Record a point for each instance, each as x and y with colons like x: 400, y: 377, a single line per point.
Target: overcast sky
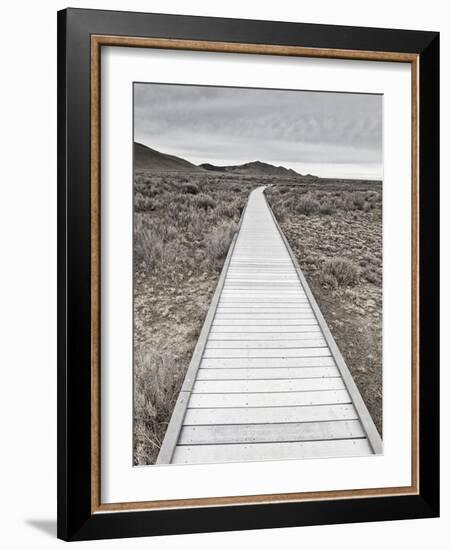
x: 326, y: 134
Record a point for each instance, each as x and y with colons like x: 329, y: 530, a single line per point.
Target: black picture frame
x: 76, y: 521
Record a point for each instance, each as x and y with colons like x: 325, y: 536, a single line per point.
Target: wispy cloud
x: 291, y: 128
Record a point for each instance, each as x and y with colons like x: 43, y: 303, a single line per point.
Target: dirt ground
x: 335, y: 231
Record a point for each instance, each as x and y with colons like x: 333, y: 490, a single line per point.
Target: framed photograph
x: 248, y: 274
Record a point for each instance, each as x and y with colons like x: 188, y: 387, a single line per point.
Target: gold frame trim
x: 97, y: 41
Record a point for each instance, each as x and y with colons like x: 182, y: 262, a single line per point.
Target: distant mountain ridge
x: 153, y: 160
x: 256, y: 167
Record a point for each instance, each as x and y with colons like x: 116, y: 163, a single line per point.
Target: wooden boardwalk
x: 266, y: 380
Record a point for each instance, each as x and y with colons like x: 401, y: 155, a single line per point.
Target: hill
x: 150, y: 159
x: 155, y: 161
x: 257, y: 168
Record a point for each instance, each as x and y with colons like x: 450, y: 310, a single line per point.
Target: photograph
x: 257, y: 274
x: 248, y: 273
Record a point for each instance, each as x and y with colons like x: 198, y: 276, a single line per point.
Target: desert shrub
x: 326, y: 208
x: 190, y: 188
x: 281, y: 214
x: 310, y: 260
x: 202, y: 200
x: 147, y: 188
x: 181, y: 200
x: 227, y: 210
x: 171, y: 232
x: 196, y: 221
x: 307, y: 205
x: 218, y: 241
x: 357, y: 201
x: 140, y: 187
x: 158, y: 378
x: 141, y: 202
x: 370, y: 275
x: 373, y: 197
x: 339, y: 272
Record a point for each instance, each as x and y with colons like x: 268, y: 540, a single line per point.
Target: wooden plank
x: 273, y: 279
x: 285, y: 271
x: 256, y: 274
x: 286, y: 285
x: 283, y: 399
x: 258, y: 296
x: 269, y: 415
x: 264, y: 362
x: 262, y: 433
x: 264, y: 277
x: 259, y: 309
x: 267, y: 353
x: 257, y: 264
x: 246, y: 257
x: 243, y: 306
x: 265, y: 344
x: 265, y: 313
x: 269, y: 292
x: 242, y: 260
x: 263, y: 336
x: 267, y: 386
x: 262, y: 374
x: 258, y: 305
x: 275, y: 309
x: 261, y: 295
x: 274, y: 286
x: 258, y: 261
x: 262, y: 271
x: 198, y: 454
x: 262, y: 302
x: 264, y: 329
x: 260, y: 316
x: 264, y: 322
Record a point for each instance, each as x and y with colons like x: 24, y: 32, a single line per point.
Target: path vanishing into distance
x: 266, y: 380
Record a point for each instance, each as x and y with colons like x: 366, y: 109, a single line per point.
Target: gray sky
x: 326, y: 134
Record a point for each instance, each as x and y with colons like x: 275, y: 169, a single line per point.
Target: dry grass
x: 337, y: 272
x: 306, y: 204
x: 154, y: 401
x: 183, y: 227
x: 218, y: 241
